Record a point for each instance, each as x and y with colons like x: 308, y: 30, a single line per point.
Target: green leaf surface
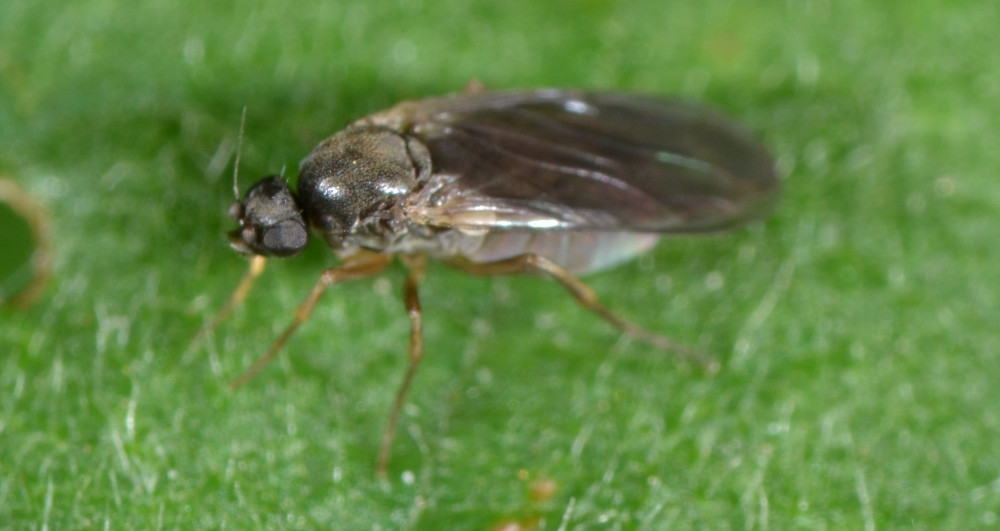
x: 855, y: 328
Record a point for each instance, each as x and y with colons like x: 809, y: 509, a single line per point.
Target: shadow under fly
x: 545, y: 182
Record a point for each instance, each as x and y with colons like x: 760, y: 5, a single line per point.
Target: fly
x: 548, y: 182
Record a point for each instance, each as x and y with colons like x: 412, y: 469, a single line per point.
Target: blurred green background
x: 856, y: 327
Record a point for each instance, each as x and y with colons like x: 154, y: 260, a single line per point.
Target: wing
x: 585, y: 161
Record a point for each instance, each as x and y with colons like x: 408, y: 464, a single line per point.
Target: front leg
x: 362, y: 265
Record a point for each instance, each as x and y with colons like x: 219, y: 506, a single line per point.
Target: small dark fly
x: 549, y: 182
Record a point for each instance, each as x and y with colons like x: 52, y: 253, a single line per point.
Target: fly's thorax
x: 352, y: 186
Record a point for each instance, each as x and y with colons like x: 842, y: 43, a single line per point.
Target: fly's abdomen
x: 579, y: 252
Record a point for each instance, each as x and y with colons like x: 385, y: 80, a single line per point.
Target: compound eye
x: 285, y: 239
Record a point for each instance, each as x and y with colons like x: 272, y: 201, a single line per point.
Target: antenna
x: 239, y: 150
